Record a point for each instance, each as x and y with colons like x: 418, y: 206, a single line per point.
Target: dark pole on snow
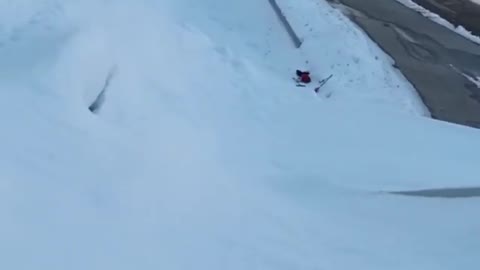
x: 293, y: 36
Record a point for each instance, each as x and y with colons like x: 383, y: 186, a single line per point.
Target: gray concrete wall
x: 293, y: 36
x: 458, y: 12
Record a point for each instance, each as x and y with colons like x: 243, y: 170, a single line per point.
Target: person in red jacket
x: 303, y: 76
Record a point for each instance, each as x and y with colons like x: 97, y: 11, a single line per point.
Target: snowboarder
x: 303, y: 76
x: 303, y: 79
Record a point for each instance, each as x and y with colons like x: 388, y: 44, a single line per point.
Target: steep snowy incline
x: 203, y: 155
x: 363, y: 74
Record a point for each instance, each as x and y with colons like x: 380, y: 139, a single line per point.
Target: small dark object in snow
x: 303, y: 76
x: 322, y: 83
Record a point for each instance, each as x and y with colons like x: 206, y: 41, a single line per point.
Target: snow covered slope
x: 204, y: 155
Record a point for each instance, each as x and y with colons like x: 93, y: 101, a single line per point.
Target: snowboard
x: 322, y: 82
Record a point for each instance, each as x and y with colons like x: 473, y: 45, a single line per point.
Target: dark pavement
x: 430, y: 56
x: 458, y: 12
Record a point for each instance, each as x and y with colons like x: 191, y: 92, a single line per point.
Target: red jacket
x: 305, y: 78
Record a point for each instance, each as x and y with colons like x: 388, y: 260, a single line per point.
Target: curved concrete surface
x: 459, y: 12
x: 434, y: 59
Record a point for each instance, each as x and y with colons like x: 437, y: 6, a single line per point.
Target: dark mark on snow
x: 449, y: 193
x: 100, y: 100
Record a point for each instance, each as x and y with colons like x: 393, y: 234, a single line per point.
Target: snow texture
x: 436, y: 18
x: 206, y: 156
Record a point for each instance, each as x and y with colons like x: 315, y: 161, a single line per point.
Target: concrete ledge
x: 458, y: 12
x: 434, y: 62
x: 293, y: 36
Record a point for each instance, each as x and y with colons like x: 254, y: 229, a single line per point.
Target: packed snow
x: 436, y: 18
x: 204, y: 154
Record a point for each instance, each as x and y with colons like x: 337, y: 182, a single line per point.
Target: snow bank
x: 204, y: 156
x: 436, y: 18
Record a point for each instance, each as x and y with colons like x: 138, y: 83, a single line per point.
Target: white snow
x: 206, y: 156
x: 436, y: 18
x: 475, y: 1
